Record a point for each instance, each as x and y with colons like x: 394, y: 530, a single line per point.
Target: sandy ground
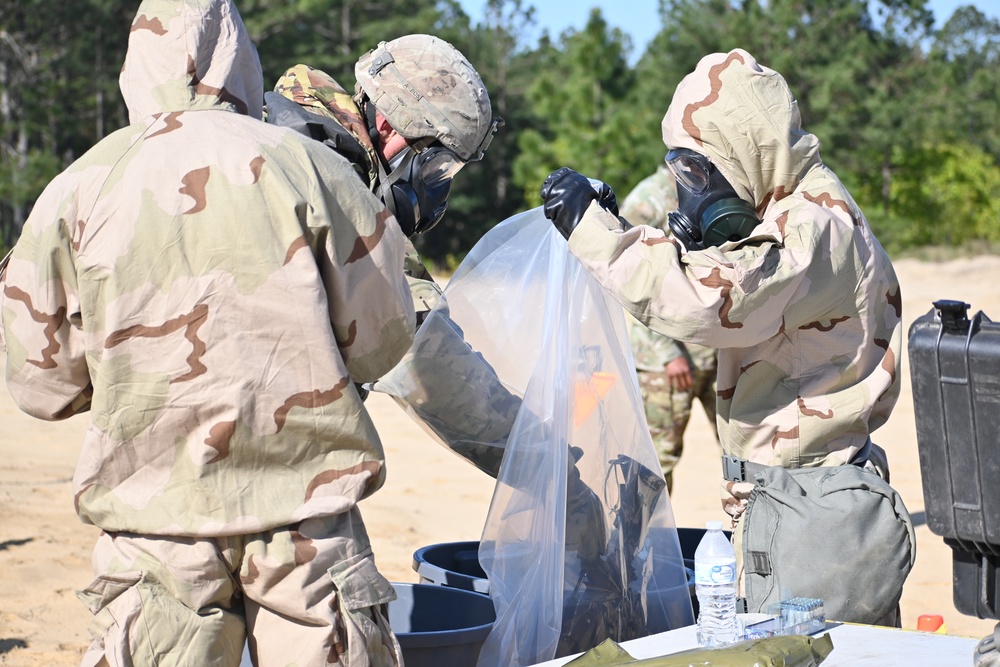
x: 431, y: 496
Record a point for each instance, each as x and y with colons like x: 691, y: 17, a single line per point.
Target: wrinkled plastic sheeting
x: 580, y: 543
x: 786, y: 651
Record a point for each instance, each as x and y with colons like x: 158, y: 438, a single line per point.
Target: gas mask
x: 417, y: 187
x: 709, y: 212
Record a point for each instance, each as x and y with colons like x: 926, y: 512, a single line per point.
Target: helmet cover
x: 425, y: 87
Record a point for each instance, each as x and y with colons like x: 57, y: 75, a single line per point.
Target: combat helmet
x: 426, y: 88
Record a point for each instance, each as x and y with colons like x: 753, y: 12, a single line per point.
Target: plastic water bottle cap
x: 713, y: 525
x: 930, y: 622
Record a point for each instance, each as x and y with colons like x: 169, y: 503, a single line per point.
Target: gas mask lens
x: 438, y: 165
x: 691, y: 170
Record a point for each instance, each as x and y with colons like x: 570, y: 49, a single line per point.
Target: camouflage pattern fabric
x: 403, y: 78
x: 181, y: 601
x: 319, y: 93
x: 460, y: 399
x: 648, y: 204
x: 668, y: 411
x: 423, y: 288
x: 211, y: 287
x: 453, y: 392
x: 651, y: 199
x: 806, y: 312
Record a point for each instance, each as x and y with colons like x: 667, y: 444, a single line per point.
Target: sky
x: 639, y: 19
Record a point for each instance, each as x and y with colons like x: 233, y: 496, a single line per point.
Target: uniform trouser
x: 668, y: 412
x: 307, y: 594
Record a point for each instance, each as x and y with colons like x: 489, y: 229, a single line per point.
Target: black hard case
x: 955, y: 373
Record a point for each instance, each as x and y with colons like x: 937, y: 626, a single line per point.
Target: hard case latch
x: 954, y: 315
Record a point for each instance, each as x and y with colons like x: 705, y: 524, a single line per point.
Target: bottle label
x: 715, y: 572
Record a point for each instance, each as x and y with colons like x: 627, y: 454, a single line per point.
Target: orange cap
x: 930, y: 622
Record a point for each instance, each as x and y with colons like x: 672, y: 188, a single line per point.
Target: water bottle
x: 715, y: 584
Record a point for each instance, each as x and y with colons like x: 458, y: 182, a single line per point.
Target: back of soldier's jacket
x: 209, y: 286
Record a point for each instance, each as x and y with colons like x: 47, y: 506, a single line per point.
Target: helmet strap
x: 369, y: 110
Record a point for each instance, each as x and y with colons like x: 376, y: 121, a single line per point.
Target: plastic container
x: 456, y: 564
x: 453, y: 564
x: 955, y: 374
x: 715, y: 586
x: 438, y: 625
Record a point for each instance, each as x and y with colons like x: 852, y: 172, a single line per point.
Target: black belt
x: 735, y: 469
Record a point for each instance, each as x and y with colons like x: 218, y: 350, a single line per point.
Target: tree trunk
x: 99, y: 94
x: 886, y: 185
x: 345, y: 29
x: 17, y: 203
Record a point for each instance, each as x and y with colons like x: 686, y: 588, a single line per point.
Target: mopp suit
x: 210, y: 288
x: 806, y: 312
x: 461, y: 399
x: 668, y: 409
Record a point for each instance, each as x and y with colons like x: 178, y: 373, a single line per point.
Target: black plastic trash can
x: 453, y: 564
x: 438, y: 625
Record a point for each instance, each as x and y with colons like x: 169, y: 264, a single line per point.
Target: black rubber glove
x: 567, y: 195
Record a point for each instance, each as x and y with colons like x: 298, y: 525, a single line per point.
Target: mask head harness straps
x: 369, y: 110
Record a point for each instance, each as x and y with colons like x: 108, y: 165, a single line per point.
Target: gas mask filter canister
x: 709, y: 212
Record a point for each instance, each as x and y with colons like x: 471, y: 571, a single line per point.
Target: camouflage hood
x: 188, y: 55
x: 212, y: 289
x: 743, y: 117
x: 806, y: 313
x: 318, y: 92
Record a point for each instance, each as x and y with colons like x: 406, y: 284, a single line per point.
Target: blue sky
x: 639, y: 19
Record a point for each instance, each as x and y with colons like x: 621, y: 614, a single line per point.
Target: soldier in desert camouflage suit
x: 805, y: 311
x: 210, y: 288
x: 465, y: 403
x: 671, y: 374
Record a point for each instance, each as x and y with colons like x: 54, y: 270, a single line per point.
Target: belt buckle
x: 733, y: 469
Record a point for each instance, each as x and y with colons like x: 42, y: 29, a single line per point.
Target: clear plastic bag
x: 580, y: 542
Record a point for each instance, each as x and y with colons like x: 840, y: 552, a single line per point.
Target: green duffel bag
x: 838, y: 533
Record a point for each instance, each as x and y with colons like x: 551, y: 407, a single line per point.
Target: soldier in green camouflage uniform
x: 445, y: 384
x: 210, y: 288
x: 671, y: 374
x: 804, y: 306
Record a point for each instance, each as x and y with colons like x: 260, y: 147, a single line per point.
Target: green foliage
x: 951, y: 192
x: 59, y: 65
x: 964, y: 62
x: 23, y: 182
x: 331, y: 34
x: 578, y: 104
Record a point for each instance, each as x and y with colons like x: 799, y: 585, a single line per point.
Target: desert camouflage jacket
x: 648, y: 204
x: 806, y: 312
x: 460, y: 398
x: 317, y: 92
x: 210, y: 287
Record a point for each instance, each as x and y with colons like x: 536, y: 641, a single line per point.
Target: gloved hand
x: 567, y: 195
